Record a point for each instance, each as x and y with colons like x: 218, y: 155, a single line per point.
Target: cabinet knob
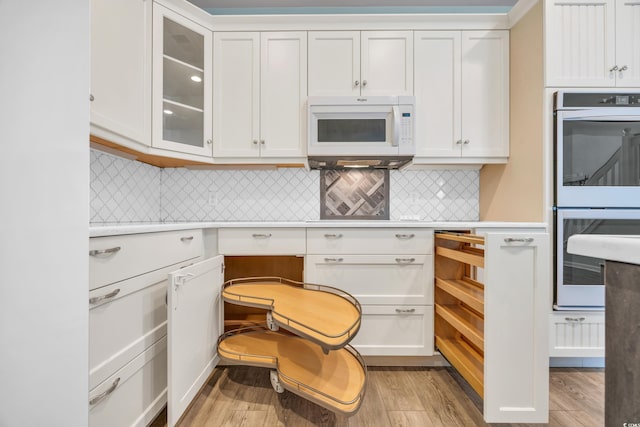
x: 624, y: 68
x: 262, y: 142
x: 356, y: 83
x: 209, y: 141
x: 364, y: 83
x: 465, y: 142
x: 459, y: 142
x: 91, y: 97
x: 255, y: 142
x: 614, y: 68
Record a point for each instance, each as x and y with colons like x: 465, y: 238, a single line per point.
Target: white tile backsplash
x: 127, y: 191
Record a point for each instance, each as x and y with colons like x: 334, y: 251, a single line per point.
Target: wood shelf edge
x: 455, y: 316
x: 466, y: 290
x: 465, y: 360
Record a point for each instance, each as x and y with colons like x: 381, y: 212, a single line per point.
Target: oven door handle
x: 622, y: 114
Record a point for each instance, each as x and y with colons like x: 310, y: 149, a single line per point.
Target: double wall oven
x: 597, y: 185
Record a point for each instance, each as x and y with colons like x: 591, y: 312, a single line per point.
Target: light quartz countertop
x: 615, y: 248
x: 136, y: 228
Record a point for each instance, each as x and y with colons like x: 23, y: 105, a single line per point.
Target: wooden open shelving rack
x: 459, y: 304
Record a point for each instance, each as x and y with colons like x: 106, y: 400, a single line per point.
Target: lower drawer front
x: 400, y: 330
x: 124, y: 326
x: 376, y: 279
x: 576, y: 334
x: 135, y: 394
x: 116, y: 258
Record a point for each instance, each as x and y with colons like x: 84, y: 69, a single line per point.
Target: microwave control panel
x: 406, y: 128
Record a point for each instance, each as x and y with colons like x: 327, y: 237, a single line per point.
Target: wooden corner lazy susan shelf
x: 304, y: 340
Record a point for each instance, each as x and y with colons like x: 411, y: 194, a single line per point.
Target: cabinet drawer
x: 261, y: 241
x: 576, y: 334
x: 396, y: 330
x: 116, y: 258
x: 376, y: 279
x: 135, y: 394
x: 369, y: 241
x: 123, y: 326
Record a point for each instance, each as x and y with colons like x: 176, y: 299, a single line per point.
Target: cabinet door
x: 283, y: 91
x: 387, y: 63
x: 193, y: 325
x: 121, y: 70
x: 236, y: 94
x: 181, y: 83
x: 628, y: 43
x: 517, y: 298
x: 437, y: 62
x: 485, y: 94
x: 334, y: 63
x: 580, y: 42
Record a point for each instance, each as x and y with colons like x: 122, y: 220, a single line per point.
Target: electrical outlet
x: 212, y: 198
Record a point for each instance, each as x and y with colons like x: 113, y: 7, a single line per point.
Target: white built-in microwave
x: 375, y: 126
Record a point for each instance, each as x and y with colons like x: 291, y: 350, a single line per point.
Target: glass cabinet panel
x: 182, y: 71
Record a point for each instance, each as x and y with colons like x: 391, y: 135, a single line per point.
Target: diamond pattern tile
x: 126, y: 191
x: 123, y: 191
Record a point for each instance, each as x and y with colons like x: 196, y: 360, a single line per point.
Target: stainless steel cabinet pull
x: 333, y: 236
x: 574, y: 319
x: 405, y: 236
x: 614, y: 68
x: 405, y: 260
x: 105, y: 393
x: 624, y: 68
x: 333, y: 259
x: 186, y: 239
x: 518, y: 239
x: 261, y: 236
x: 111, y: 294
x: 109, y: 251
x: 406, y: 310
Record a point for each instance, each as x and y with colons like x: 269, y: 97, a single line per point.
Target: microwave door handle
x: 396, y: 126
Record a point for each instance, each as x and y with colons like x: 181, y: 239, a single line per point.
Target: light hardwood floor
x: 242, y: 396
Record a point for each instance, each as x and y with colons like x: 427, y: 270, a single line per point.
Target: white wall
x: 44, y: 199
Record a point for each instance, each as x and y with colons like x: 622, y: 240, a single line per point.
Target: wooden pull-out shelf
x: 459, y: 320
x: 335, y: 381
x: 324, y: 315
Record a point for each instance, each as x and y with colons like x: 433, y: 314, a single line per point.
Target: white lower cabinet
x: 133, y: 320
x: 134, y: 394
x: 390, y: 272
x: 395, y: 330
x: 576, y: 334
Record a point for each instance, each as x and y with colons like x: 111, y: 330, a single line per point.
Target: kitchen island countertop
x: 621, y: 248
x: 135, y: 228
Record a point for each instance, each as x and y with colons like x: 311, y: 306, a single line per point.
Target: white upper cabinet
x: 121, y: 71
x: 260, y: 83
x: 182, y: 56
x: 462, y: 96
x: 592, y: 43
x: 355, y: 63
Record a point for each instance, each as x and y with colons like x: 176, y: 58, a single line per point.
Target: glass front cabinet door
x: 182, y: 55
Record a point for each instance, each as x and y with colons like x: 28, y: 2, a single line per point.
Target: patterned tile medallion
x: 354, y: 194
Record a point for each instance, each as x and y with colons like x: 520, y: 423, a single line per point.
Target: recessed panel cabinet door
x: 334, y: 63
x: 387, y: 63
x: 194, y: 324
x: 516, y: 357
x: 628, y: 43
